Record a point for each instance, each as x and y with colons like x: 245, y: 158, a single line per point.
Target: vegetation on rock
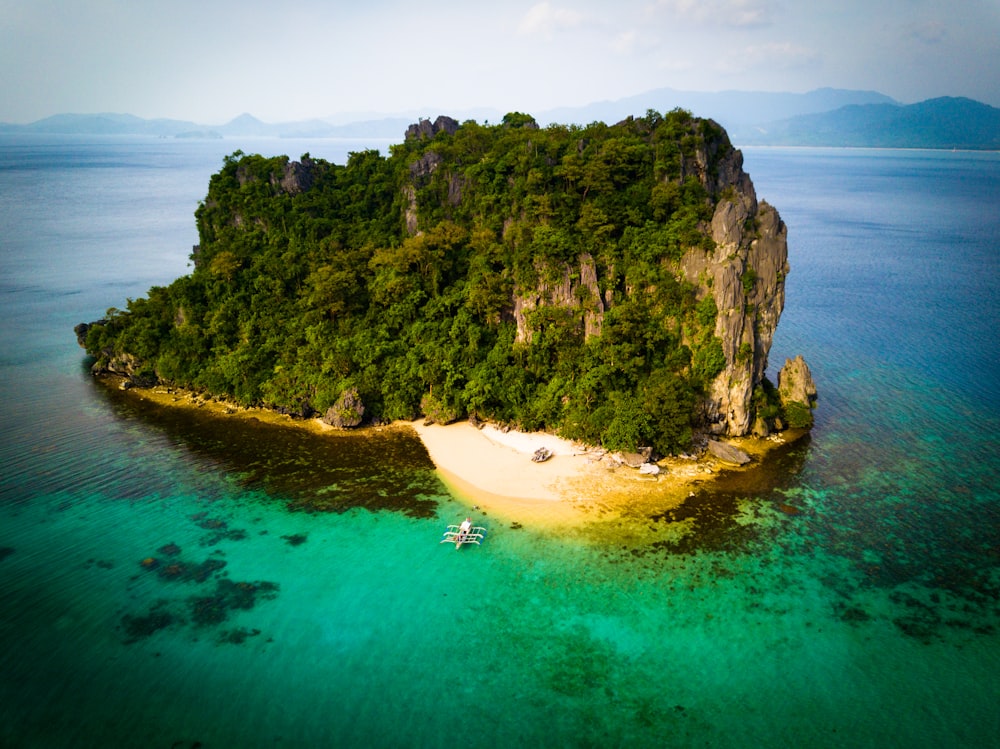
x: 534, y: 277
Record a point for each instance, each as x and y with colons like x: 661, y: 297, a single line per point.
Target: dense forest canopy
x: 522, y: 275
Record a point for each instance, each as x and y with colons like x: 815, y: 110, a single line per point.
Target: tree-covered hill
x: 617, y: 284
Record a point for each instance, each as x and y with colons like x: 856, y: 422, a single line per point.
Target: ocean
x: 168, y: 581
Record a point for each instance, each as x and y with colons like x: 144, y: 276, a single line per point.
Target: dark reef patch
x: 140, y: 627
x: 295, y: 539
x: 229, y: 596
x: 199, y: 610
x: 236, y: 636
x: 5, y: 551
x: 178, y: 570
x: 332, y: 473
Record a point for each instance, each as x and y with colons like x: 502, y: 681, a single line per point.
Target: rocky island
x: 616, y: 285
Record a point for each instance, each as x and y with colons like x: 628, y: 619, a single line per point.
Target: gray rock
x: 728, y: 453
x: 427, y: 129
x: 347, y: 412
x: 633, y: 460
x: 795, y: 382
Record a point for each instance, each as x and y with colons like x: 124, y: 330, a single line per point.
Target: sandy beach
x: 490, y: 469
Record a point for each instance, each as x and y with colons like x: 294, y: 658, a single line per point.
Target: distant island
x: 951, y: 123
x: 823, y: 117
x: 200, y: 135
x: 617, y: 284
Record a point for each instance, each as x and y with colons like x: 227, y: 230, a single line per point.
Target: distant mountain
x: 734, y: 110
x: 824, y: 117
x: 247, y: 124
x: 104, y: 124
x: 946, y: 122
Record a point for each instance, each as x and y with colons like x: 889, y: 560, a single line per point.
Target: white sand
x: 500, y: 462
x: 493, y: 470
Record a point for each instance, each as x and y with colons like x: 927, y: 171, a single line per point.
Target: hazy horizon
x: 209, y: 62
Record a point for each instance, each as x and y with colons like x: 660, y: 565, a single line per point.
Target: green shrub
x: 798, y: 415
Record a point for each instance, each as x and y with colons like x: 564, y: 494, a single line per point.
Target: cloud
x: 771, y: 56
x: 624, y: 42
x: 544, y: 18
x: 740, y: 13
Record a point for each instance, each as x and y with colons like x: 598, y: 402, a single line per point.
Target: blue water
x: 166, y: 581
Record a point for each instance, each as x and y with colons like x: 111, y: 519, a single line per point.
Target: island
x: 613, y: 287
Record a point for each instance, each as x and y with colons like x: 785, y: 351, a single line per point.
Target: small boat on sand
x: 466, y: 533
x: 541, y: 455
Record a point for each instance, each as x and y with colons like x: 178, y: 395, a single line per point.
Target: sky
x: 284, y: 60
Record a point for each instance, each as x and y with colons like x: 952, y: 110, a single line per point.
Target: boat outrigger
x: 466, y: 533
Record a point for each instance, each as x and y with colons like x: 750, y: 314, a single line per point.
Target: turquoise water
x: 167, y: 580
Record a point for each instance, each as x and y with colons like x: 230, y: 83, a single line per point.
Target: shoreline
x: 490, y: 469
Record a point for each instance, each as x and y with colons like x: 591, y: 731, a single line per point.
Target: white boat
x: 466, y: 533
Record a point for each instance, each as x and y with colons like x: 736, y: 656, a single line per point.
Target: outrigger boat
x: 466, y: 533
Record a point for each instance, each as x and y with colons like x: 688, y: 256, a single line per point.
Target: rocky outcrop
x: 746, y: 276
x: 427, y: 129
x: 83, y: 328
x: 297, y: 176
x: 347, y: 412
x: 795, y: 382
x: 577, y: 291
x: 425, y: 166
x: 797, y: 392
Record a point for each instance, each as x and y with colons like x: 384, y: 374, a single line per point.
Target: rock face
x: 347, y: 412
x: 298, y: 176
x: 427, y: 129
x: 746, y: 276
x: 567, y: 293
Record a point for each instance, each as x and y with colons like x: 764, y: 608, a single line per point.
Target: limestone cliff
x: 744, y: 273
x: 746, y: 276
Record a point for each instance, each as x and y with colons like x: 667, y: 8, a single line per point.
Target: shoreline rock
x: 728, y: 453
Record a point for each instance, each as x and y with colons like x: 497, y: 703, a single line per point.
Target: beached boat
x: 541, y: 455
x: 466, y: 533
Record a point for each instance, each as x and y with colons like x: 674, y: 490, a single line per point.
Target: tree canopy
x: 400, y: 276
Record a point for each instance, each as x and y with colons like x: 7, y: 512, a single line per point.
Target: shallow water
x: 169, y: 580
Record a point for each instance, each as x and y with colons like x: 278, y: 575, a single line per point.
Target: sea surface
x: 170, y: 581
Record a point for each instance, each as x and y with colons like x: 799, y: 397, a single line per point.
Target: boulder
x: 633, y: 460
x: 728, y: 453
x: 347, y: 412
